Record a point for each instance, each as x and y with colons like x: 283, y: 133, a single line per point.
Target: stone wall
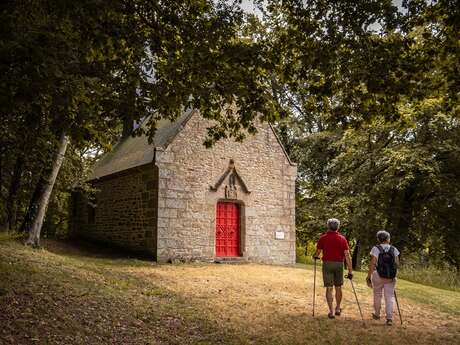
x: 187, y: 205
x: 125, y: 212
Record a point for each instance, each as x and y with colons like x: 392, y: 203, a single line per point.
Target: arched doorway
x: 228, y: 229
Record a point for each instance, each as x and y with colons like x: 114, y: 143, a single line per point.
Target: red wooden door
x: 227, y: 229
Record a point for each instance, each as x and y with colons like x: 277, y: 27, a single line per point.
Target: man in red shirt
x: 335, y: 250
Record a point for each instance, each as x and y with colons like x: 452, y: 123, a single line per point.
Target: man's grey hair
x: 333, y: 224
x: 383, y: 236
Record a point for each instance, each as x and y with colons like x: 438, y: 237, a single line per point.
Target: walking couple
x: 381, y: 275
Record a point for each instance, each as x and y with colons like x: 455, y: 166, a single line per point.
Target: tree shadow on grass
x: 93, y: 250
x: 43, y: 303
x: 178, y: 313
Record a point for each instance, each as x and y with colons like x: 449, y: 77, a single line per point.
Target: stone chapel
x: 175, y: 199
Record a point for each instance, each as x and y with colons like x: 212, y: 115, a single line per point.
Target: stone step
x: 234, y: 260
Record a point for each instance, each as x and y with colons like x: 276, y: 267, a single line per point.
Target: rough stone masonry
x: 161, y: 199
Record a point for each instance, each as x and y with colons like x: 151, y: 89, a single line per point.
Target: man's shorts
x: 332, y: 273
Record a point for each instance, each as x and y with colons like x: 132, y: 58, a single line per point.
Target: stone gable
x: 187, y: 172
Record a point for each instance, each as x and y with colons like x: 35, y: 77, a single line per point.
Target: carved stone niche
x: 232, y: 179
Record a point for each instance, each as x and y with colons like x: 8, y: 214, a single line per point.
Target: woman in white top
x: 382, y: 275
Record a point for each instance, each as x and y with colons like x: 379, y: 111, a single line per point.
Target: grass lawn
x: 73, y: 295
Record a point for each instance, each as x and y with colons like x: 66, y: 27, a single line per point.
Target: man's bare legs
x: 338, y: 298
x: 329, y: 299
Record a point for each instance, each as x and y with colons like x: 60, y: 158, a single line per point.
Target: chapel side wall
x: 125, y: 212
x: 187, y: 206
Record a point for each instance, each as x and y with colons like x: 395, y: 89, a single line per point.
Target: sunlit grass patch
x: 432, y: 276
x: 113, y: 299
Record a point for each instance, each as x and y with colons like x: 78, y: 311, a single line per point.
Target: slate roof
x: 132, y: 152
x: 136, y: 151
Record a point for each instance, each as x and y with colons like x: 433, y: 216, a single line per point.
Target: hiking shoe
x: 389, y: 322
x: 331, y: 316
x: 375, y: 317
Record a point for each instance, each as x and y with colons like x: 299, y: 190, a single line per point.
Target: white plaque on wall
x: 279, y: 235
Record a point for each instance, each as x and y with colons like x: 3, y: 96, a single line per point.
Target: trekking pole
x: 314, y: 287
x: 357, y: 302
x: 399, y: 310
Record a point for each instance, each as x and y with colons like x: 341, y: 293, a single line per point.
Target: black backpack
x: 386, y: 263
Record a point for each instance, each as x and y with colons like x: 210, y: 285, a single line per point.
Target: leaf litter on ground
x: 66, y: 294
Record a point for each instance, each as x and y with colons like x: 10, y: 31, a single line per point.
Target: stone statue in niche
x: 230, y: 189
x: 231, y: 176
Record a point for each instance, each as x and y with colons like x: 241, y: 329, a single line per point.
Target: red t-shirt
x: 333, y: 245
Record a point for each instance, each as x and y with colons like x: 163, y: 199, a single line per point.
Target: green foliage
x: 300, y: 255
x: 372, y: 94
x: 81, y: 67
x: 193, y: 55
x: 305, y: 255
x: 51, y: 84
x: 365, y: 96
x: 441, y: 278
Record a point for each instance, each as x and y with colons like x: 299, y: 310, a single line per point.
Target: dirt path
x: 69, y: 295
x: 268, y: 301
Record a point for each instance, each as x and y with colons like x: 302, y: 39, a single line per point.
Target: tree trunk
x: 356, y: 258
x: 128, y: 126
x: 31, y: 213
x: 3, y: 220
x: 35, y: 229
x: 11, y: 202
x: 1, y: 172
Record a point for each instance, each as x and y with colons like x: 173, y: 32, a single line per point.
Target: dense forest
x: 364, y: 94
